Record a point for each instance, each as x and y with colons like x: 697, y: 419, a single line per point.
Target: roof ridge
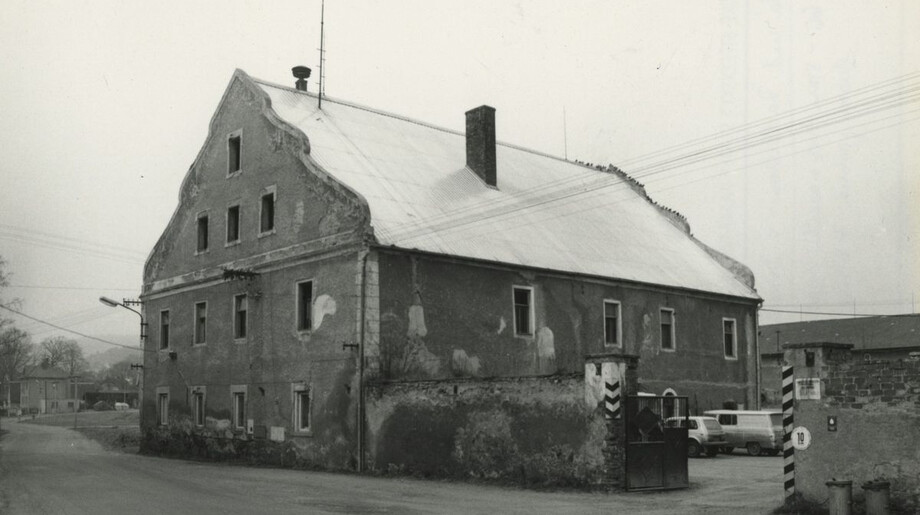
x: 407, y: 119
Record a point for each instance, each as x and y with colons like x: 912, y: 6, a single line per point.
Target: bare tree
x: 16, y: 353
x: 65, y: 353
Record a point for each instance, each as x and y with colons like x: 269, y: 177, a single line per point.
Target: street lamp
x: 127, y: 303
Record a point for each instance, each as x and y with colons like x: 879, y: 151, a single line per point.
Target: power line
x: 72, y: 331
x: 92, y: 288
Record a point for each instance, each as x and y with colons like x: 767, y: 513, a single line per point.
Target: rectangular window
x: 267, y: 213
x: 667, y: 328
x: 523, y: 311
x: 202, y: 232
x: 305, y: 306
x: 301, y: 409
x: 611, y: 322
x: 198, y: 407
x: 729, y: 341
x: 240, y: 309
x: 164, y: 329
x: 162, y: 408
x: 239, y: 410
x: 201, y: 322
x: 233, y: 153
x: 233, y: 224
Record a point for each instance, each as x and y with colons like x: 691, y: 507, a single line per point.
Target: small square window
x: 729, y: 339
x: 201, y: 322
x: 523, y: 310
x: 667, y: 329
x: 305, y: 305
x: 611, y: 322
x: 164, y: 329
x: 233, y: 224
x: 202, y: 232
x: 267, y: 213
x: 240, y: 310
x: 233, y: 153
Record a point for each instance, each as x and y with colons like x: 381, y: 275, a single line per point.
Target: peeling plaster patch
x: 594, y: 386
x: 546, y: 351
x: 501, y: 325
x: 463, y: 365
x: 323, y: 305
x: 417, y: 321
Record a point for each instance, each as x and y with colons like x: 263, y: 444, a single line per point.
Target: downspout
x: 360, y: 410
x: 757, y: 374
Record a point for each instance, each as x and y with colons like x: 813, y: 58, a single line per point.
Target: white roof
x: 545, y: 212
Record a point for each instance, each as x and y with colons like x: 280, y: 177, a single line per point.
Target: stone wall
x: 877, y: 410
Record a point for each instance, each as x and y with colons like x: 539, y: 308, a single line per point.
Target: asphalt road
x: 46, y: 469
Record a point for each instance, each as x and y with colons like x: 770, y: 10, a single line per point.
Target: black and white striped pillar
x: 788, y: 450
x: 612, y: 398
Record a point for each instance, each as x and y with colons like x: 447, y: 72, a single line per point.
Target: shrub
x: 102, y: 406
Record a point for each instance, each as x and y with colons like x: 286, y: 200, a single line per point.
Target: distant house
x: 872, y: 338
x: 43, y: 390
x: 363, y: 290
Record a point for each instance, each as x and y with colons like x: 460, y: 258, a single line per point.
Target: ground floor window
x: 239, y: 410
x: 198, y: 407
x: 162, y: 408
x: 301, y: 409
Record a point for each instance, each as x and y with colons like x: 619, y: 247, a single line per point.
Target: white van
x: 760, y: 432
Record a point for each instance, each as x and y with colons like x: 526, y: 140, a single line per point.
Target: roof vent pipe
x: 480, y: 143
x: 301, y: 73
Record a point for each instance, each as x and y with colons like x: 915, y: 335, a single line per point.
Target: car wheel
x: 753, y: 449
x: 712, y: 451
x: 693, y: 449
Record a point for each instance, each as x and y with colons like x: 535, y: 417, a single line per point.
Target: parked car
x: 760, y: 432
x: 704, y: 434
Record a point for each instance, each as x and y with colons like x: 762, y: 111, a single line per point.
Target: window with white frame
x: 304, y: 305
x: 612, y: 324
x: 198, y: 400
x: 233, y: 224
x: 201, y: 323
x: 164, y: 329
x: 240, y: 315
x: 202, y: 232
x: 523, y: 310
x: 238, y: 401
x: 666, y: 317
x: 267, y: 211
x: 162, y: 405
x: 729, y: 338
x: 302, y: 408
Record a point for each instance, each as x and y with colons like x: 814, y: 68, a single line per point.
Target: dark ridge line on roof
x: 414, y: 121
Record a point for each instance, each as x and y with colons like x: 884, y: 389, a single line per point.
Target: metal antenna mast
x: 322, y: 52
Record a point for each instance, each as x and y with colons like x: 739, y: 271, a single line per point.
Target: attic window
x: 233, y: 153
x: 202, y: 232
x: 267, y: 212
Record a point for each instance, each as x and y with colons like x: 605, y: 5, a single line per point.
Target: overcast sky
x: 104, y: 105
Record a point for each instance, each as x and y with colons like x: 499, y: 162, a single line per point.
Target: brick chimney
x: 480, y: 143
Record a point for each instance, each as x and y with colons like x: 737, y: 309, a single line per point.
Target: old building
x: 891, y: 337
x: 347, y: 288
x: 43, y: 390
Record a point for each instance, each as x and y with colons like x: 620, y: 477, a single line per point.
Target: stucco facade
x: 284, y: 328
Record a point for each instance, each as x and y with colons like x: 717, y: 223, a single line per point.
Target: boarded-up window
x: 239, y: 410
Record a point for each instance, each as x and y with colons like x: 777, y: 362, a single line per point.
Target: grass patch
x: 121, y: 439
x: 126, y: 418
